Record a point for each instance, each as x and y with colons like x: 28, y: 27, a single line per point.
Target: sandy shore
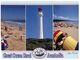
x: 15, y: 36
x: 70, y: 29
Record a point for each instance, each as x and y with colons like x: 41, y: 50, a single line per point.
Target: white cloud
x: 55, y: 16
x: 62, y: 17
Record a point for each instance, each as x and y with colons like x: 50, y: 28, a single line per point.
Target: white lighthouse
x: 40, y: 13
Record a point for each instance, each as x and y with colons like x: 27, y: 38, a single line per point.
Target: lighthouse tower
x: 40, y: 13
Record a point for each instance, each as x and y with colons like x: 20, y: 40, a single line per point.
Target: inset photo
x: 66, y: 27
x: 39, y: 27
x: 13, y: 28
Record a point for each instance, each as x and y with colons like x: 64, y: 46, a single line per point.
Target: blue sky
x: 14, y: 12
x: 66, y: 12
x: 32, y: 21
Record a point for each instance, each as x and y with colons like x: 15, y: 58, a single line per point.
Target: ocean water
x: 16, y: 22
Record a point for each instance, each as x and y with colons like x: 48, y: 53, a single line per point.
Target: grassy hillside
x: 32, y: 43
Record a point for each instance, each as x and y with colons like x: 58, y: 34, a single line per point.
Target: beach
x: 14, y: 34
x: 70, y: 28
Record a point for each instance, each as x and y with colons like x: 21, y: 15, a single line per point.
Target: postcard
x: 40, y: 31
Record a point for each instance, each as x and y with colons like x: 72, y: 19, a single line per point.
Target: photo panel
x: 66, y: 27
x: 39, y: 27
x: 13, y: 28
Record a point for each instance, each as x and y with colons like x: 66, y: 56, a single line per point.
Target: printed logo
x: 39, y: 53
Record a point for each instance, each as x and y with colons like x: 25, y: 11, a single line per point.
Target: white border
x: 39, y: 3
